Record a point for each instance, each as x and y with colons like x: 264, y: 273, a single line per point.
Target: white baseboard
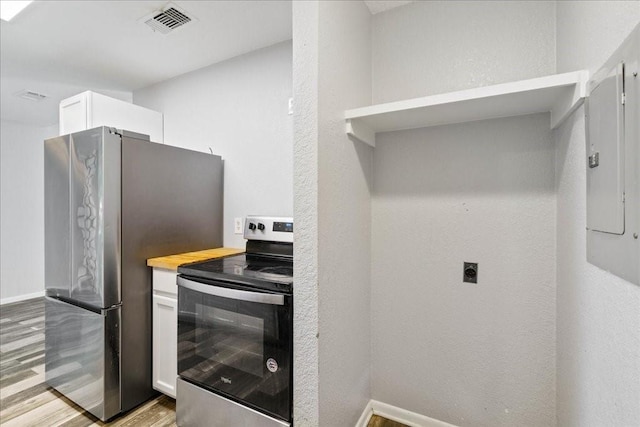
x: 18, y: 298
x: 366, y: 415
x: 400, y: 415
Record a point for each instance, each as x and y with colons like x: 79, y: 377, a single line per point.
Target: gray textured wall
x: 477, y: 355
x: 22, y: 210
x: 332, y: 60
x: 344, y: 214
x: 239, y: 108
x: 598, y: 314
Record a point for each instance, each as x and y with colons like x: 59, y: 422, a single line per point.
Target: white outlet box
x: 238, y: 226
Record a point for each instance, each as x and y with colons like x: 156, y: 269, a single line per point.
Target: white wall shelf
x: 559, y: 94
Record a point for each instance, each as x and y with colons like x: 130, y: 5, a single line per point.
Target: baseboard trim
x: 400, y: 415
x: 19, y: 298
x: 366, y: 415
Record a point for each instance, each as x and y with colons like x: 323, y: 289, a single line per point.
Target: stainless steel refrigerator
x: 112, y: 200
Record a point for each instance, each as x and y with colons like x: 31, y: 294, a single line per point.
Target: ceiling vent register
x: 168, y: 20
x: 31, y: 95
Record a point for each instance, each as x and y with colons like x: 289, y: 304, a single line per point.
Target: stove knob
x: 252, y: 226
x: 260, y: 226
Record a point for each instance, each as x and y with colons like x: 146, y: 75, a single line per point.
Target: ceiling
x: 60, y: 48
x: 382, y: 6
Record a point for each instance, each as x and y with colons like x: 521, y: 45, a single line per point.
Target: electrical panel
x: 612, y: 162
x: 605, y: 151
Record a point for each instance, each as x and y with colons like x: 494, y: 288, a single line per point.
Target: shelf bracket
x: 358, y: 131
x: 566, y: 105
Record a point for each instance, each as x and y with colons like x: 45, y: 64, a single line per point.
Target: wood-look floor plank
x: 26, y: 400
x: 26, y: 351
x: 31, y: 338
x: 7, y: 363
x: 28, y: 405
x: 22, y: 396
x: 148, y: 414
x: 54, y: 411
x: 23, y: 366
x: 81, y: 420
x: 31, y: 356
x: 378, y: 421
x: 14, y: 378
x: 38, y: 321
x: 21, y: 385
x: 17, y: 332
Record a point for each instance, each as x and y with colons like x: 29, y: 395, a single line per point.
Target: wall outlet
x: 470, y: 272
x: 238, y: 226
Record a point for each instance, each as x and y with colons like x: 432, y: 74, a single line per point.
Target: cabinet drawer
x: 165, y: 281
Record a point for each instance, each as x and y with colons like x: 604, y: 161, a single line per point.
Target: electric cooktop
x: 259, y: 271
x: 266, y: 265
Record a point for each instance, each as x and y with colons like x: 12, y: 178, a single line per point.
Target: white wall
x: 22, y: 199
x: 598, y: 314
x: 344, y: 214
x: 469, y: 354
x: 332, y: 57
x: 22, y: 210
x: 441, y: 46
x: 239, y: 109
x: 305, y: 292
x: 42, y: 113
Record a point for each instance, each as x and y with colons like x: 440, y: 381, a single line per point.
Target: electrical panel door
x: 605, y: 154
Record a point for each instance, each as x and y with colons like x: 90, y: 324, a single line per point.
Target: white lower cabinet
x: 165, y: 331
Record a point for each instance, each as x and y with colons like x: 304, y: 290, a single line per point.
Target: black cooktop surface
x: 260, y: 271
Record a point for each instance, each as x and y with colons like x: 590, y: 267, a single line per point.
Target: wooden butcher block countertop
x: 171, y: 262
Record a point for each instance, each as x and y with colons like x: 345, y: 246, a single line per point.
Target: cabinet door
x: 88, y: 110
x: 165, y: 338
x: 106, y: 111
x: 73, y: 114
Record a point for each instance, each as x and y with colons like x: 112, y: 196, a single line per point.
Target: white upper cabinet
x: 89, y: 110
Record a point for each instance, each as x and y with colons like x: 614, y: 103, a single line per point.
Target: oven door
x: 237, y: 343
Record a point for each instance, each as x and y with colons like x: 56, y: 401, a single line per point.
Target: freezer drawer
x: 82, y: 359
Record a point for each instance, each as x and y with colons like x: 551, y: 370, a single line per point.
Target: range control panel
x: 269, y: 228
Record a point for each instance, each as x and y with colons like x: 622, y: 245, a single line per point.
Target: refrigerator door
x: 57, y: 223
x: 171, y: 203
x: 82, y: 217
x: 82, y: 360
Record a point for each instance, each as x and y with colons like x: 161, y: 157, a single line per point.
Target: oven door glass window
x: 240, y: 349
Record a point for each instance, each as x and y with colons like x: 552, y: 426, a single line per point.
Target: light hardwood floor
x: 378, y: 421
x: 25, y: 399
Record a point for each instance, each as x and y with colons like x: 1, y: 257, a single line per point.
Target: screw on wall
x: 470, y: 272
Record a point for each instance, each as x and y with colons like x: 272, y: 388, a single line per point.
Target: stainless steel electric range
x: 235, y: 333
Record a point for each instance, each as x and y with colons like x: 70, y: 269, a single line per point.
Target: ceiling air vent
x: 31, y: 95
x: 167, y: 20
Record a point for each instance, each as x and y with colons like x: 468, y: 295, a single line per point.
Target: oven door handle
x: 235, y: 294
